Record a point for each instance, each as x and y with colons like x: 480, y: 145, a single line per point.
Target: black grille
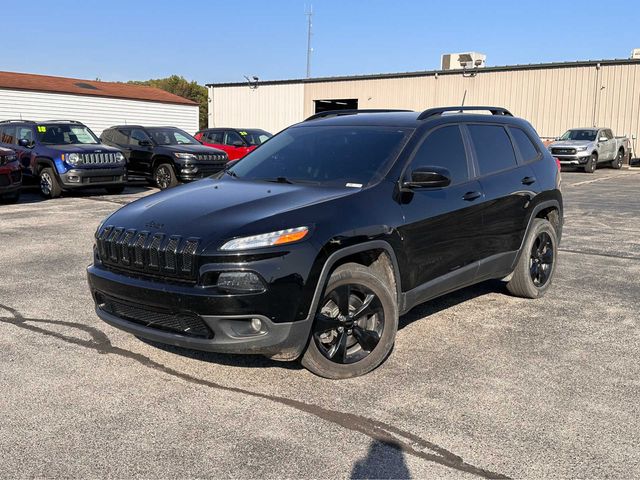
x: 98, y: 158
x: 188, y: 324
x: 563, y: 151
x: 212, y: 157
x: 154, y: 253
x: 16, y: 176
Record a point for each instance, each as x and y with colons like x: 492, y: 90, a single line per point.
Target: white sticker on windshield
x: 354, y: 185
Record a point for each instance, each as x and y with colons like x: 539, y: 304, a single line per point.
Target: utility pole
x: 309, y: 14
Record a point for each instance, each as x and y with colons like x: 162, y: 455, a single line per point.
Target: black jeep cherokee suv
x: 164, y: 155
x: 63, y: 155
x: 316, y: 242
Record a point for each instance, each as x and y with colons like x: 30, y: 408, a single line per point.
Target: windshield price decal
x: 42, y: 129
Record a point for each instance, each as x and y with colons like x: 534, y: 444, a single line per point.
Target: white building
x: 96, y: 104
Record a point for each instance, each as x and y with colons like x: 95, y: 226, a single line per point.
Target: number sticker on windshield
x: 42, y: 128
x: 243, y: 133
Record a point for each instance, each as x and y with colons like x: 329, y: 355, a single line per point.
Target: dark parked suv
x: 63, y: 155
x: 317, y: 241
x: 164, y: 155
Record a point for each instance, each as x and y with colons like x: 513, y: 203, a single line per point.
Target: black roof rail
x: 432, y: 112
x: 336, y: 113
x: 17, y: 121
x: 63, y: 121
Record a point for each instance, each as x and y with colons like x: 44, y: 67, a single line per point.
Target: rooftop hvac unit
x: 635, y: 54
x: 461, y: 61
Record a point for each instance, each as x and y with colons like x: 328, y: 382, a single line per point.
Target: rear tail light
x: 557, y: 163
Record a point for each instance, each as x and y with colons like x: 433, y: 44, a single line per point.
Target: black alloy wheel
x: 350, y: 324
x: 164, y: 176
x: 541, y: 259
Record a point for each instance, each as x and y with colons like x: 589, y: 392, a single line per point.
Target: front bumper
x: 199, y: 171
x: 572, y: 159
x: 149, y: 307
x: 93, y: 177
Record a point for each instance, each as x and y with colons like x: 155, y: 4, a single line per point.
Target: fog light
x: 256, y: 324
x: 73, y: 178
x: 240, y: 282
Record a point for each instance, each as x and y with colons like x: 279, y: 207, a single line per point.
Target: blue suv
x: 63, y: 155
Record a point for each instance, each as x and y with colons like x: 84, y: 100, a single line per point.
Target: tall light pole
x: 309, y: 14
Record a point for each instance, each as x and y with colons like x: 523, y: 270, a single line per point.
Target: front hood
x: 570, y: 143
x: 190, y: 149
x: 83, y: 148
x: 218, y: 209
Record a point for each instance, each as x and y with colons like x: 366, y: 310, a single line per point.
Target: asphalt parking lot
x: 479, y: 384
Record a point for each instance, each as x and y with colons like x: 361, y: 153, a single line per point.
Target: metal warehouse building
x: 552, y: 96
x: 96, y: 104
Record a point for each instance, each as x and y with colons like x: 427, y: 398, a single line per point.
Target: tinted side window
x: 527, y: 149
x: 493, y: 148
x: 444, y: 147
x: 121, y: 137
x: 231, y: 137
x: 8, y: 134
x: 107, y: 135
x: 137, y: 135
x: 215, y: 137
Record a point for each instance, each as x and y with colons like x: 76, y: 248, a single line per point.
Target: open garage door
x: 341, y: 104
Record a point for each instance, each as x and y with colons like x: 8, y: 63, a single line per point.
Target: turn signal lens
x: 281, y: 237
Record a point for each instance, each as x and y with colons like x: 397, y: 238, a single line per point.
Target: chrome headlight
x: 185, y: 156
x: 120, y: 157
x: 73, y: 158
x: 582, y: 148
x: 281, y: 237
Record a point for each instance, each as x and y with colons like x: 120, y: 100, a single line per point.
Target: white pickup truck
x: 589, y: 147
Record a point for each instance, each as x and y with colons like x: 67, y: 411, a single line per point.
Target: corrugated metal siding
x: 271, y: 107
x: 96, y: 112
x: 553, y: 99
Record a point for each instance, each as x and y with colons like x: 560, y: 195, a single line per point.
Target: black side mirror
x: 23, y: 142
x: 238, y: 143
x: 429, y: 177
x: 145, y: 143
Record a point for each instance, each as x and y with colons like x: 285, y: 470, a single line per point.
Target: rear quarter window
x: 528, y: 151
x: 493, y: 148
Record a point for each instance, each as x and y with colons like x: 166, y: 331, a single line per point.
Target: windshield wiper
x: 278, y: 180
x: 231, y: 173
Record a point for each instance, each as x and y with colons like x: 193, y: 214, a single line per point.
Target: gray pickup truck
x: 589, y: 147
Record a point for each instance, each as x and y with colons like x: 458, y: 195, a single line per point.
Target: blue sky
x: 220, y: 41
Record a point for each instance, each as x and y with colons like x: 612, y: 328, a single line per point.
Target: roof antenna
x: 20, y: 115
x: 464, y: 97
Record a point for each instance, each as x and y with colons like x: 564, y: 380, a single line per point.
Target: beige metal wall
x: 271, y: 107
x: 552, y: 99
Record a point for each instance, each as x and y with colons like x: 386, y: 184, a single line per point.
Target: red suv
x: 236, y: 142
x: 10, y: 175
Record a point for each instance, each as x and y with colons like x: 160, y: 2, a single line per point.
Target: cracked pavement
x: 480, y: 384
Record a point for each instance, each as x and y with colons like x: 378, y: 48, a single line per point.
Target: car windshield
x: 351, y: 156
x: 171, y: 136
x: 588, y: 135
x: 255, y: 137
x: 65, y: 134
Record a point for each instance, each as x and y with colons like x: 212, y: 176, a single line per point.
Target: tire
x: 617, y: 162
x: 365, y: 340
x: 164, y: 176
x: 115, y: 190
x: 592, y: 163
x: 49, y: 184
x: 524, y: 283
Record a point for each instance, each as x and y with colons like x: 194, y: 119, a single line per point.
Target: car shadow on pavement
x: 450, y: 300
x: 384, y: 460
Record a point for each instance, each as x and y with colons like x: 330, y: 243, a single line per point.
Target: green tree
x: 179, y: 85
